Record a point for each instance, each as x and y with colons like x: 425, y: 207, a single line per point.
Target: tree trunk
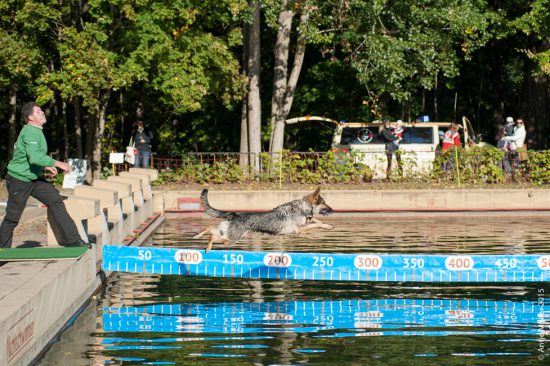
x: 78, y: 127
x: 280, y: 69
x: 89, y: 126
x: 12, y: 125
x: 244, y: 160
x: 98, y: 133
x: 66, y: 153
x: 122, y: 120
x: 289, y: 88
x: 536, y: 120
x: 535, y: 100
x: 254, y: 100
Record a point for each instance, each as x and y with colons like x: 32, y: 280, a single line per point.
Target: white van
x: 418, y: 147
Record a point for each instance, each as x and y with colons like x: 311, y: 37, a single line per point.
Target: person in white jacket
x: 518, y: 138
x: 519, y: 155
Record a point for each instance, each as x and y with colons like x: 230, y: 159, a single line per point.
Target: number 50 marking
x: 145, y: 255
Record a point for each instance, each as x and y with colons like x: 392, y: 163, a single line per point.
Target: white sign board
x: 77, y: 175
x: 116, y: 158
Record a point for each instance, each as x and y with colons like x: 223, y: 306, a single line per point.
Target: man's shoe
x: 78, y: 243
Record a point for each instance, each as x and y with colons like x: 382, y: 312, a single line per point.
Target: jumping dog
x: 291, y: 217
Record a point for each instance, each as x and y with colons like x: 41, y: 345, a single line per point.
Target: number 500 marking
x: 544, y: 262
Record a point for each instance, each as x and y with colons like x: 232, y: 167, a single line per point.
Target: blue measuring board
x: 329, y: 267
x: 381, y: 316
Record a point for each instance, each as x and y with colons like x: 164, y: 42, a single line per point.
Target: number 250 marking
x: 323, y: 261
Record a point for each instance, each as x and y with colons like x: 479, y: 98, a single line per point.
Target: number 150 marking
x: 413, y: 262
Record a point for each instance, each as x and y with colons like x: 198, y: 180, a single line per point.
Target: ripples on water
x: 150, y: 319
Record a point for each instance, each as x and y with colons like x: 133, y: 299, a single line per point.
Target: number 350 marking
x: 413, y: 262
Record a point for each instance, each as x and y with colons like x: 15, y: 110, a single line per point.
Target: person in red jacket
x: 451, y: 137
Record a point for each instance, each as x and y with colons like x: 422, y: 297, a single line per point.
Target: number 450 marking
x: 506, y: 263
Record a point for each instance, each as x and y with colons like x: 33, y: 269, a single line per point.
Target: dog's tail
x: 210, y: 210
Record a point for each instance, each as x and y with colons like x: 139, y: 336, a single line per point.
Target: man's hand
x: 63, y: 166
x: 52, y: 170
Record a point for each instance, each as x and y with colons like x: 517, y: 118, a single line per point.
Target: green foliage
x: 292, y: 168
x: 476, y: 165
x: 539, y: 167
x: 395, y: 47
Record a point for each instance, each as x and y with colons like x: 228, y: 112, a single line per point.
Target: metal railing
x: 221, y: 167
x: 266, y: 160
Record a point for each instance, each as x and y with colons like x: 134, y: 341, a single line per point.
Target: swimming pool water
x: 143, y: 319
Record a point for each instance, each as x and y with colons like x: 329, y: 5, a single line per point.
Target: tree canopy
x: 182, y: 66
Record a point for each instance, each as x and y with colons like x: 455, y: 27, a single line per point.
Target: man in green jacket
x: 24, y: 179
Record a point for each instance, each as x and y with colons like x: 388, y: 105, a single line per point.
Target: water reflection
x: 380, y: 317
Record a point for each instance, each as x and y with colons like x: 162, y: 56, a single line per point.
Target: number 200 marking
x: 277, y: 260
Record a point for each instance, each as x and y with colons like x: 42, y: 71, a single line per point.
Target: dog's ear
x: 317, y: 191
x: 313, y: 197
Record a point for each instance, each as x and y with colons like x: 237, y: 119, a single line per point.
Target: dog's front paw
x: 197, y: 236
x: 329, y: 227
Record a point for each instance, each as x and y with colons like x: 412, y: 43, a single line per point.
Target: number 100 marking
x: 188, y: 256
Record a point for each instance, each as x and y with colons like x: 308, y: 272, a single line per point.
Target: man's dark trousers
x: 19, y: 191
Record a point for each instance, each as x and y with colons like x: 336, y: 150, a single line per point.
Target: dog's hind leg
x: 206, y: 230
x: 315, y: 225
x: 209, y: 245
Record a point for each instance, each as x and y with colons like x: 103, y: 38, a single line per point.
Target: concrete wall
x: 37, y: 298
x: 111, y: 209
x: 371, y: 200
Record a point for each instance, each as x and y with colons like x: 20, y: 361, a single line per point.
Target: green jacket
x: 30, y: 155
